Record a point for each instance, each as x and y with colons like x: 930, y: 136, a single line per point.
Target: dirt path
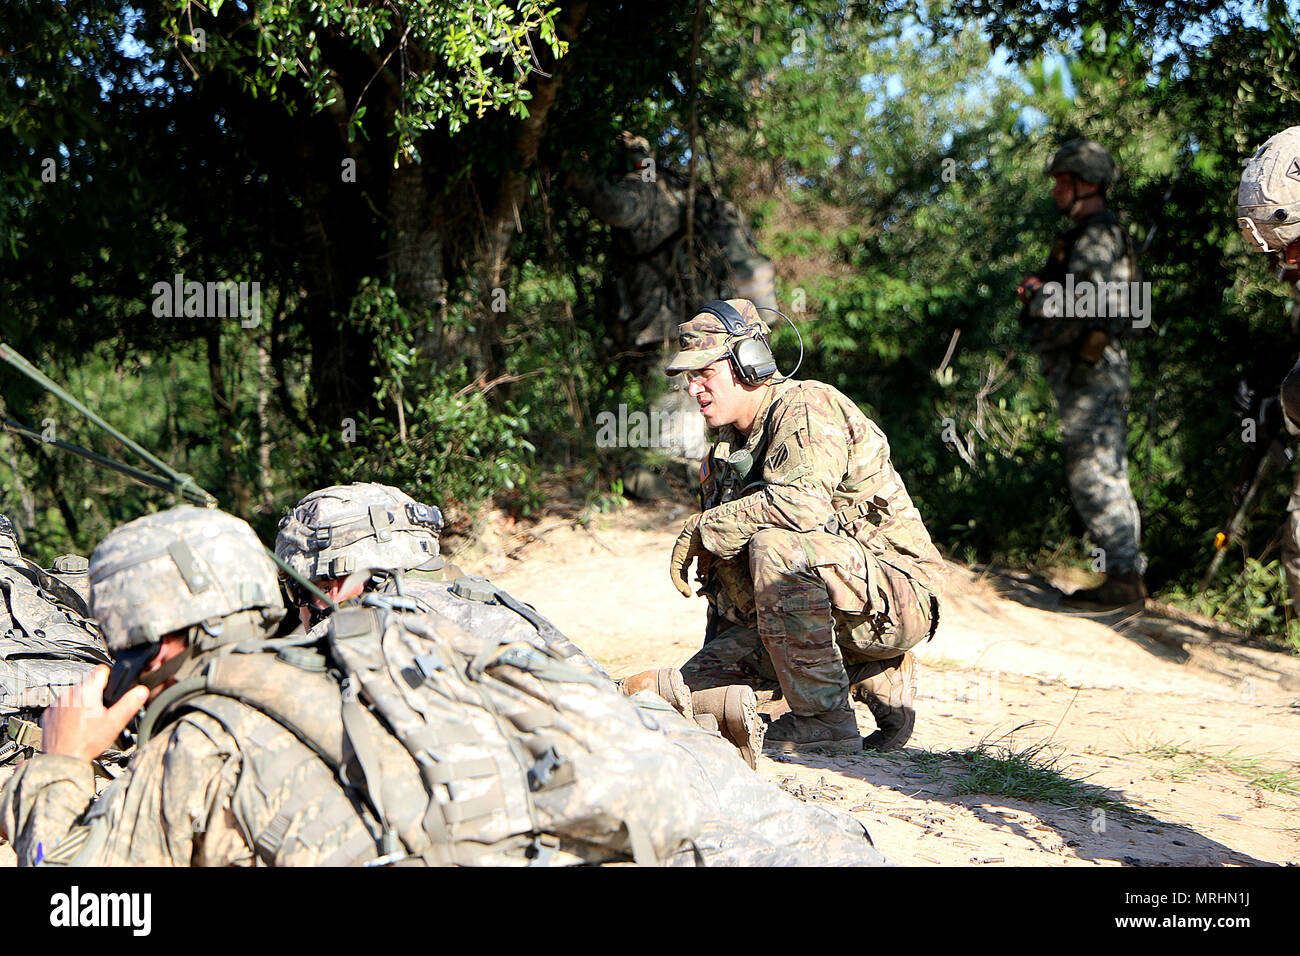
x: 1177, y: 725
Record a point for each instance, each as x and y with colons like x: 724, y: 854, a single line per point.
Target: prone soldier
x: 48, y: 641
x: 365, y: 537
x: 400, y: 737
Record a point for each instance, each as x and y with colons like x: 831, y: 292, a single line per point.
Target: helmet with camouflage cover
x: 1268, y: 200
x: 1084, y: 158
x: 177, y: 569
x: 364, y: 526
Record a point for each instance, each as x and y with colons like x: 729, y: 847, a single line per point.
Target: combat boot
x: 835, y: 732
x: 667, y: 683
x: 888, y: 688
x: 1118, y: 590
x: 735, y: 709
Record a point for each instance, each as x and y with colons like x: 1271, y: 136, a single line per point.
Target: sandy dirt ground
x: 1180, y: 723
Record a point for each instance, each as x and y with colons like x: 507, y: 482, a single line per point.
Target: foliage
x: 888, y: 158
x: 452, y: 61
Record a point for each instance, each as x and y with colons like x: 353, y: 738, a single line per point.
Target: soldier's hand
x: 78, y: 725
x: 689, y: 546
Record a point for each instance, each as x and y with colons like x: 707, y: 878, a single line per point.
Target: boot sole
x: 899, y: 704
x: 735, y: 709
x: 670, y: 685
x: 742, y: 725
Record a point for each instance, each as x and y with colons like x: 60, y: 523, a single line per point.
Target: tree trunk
x: 236, y: 487
x: 504, y: 220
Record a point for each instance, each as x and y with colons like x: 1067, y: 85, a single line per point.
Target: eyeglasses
x: 700, y: 375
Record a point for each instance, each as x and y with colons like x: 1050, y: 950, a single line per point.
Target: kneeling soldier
x: 818, y: 569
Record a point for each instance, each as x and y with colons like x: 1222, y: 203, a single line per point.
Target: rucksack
x: 465, y: 743
x: 47, y: 643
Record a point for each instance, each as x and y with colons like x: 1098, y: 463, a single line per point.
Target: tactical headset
x: 747, y: 346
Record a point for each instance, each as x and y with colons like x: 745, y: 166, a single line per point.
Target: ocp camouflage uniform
x: 1093, y: 398
x: 820, y: 561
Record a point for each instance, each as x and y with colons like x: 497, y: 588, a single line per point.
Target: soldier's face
x: 1062, y: 189
x: 1066, y: 188
x: 337, y: 589
x: 721, y: 398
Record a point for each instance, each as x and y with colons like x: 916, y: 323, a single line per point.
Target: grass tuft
x: 1033, y: 773
x: 1254, y: 770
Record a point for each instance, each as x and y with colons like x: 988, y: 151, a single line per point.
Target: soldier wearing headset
x: 819, y: 572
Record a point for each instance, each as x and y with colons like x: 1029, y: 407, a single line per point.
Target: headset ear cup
x: 752, y: 360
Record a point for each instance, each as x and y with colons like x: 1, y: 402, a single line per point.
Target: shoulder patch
x: 785, y: 459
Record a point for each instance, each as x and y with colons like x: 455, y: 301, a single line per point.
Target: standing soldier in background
x: 1085, y: 363
x: 1268, y: 212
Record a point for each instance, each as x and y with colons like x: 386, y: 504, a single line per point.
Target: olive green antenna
x: 174, y: 481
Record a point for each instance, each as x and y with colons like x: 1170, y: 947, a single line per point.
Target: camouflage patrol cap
x: 1085, y: 158
x: 1268, y: 200
x: 175, y: 569
x: 704, y: 339
x: 363, y: 526
x: 8, y: 539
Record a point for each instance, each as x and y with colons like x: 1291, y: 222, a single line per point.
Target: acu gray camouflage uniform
x: 48, y: 641
x: 1291, y: 534
x: 402, y: 737
x: 1093, y: 398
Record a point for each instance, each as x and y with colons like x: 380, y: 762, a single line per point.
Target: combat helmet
x: 1268, y: 200
x: 1084, y: 158
x: 345, y: 529
x: 183, y: 569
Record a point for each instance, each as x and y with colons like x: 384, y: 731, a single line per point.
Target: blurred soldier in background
x: 650, y: 259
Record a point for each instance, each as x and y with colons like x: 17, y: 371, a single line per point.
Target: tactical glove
x: 689, y: 546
